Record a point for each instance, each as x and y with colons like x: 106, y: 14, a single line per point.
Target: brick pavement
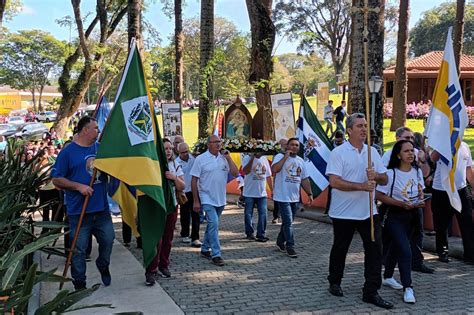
x: 258, y: 278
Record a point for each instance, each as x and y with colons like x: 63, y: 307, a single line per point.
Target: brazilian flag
x: 131, y: 150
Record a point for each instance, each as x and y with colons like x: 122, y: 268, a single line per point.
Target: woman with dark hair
x: 403, y: 195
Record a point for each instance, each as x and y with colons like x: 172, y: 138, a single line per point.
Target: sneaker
x: 126, y: 244
x: 88, y: 258
x: 250, y: 237
x: 335, y: 289
x: 281, y: 248
x: 165, y: 272
x: 196, y: 243
x: 150, y: 278
x: 79, y: 285
x: 105, y: 275
x: 279, y: 220
x: 186, y: 240
x: 274, y: 221
x: 391, y: 282
x: 218, y: 261
x: 443, y: 258
x: 423, y: 269
x: 206, y: 255
x: 262, y: 239
x: 291, y: 253
x: 409, y: 296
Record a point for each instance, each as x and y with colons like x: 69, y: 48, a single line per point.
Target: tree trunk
x: 459, y: 32
x: 134, y: 20
x: 400, y: 83
x: 3, y: 4
x: 261, y: 65
x: 40, y: 105
x: 33, y: 97
x: 179, y: 49
x: 206, y: 55
x: 375, y: 64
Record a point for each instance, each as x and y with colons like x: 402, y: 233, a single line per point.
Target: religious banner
x: 283, y: 115
x: 323, y: 99
x: 172, y: 125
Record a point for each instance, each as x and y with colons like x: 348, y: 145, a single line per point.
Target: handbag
x: 180, y: 195
x: 384, y: 208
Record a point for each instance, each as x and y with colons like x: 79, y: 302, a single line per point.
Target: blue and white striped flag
x: 314, y: 147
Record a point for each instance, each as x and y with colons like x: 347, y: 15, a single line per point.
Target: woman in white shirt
x: 403, y: 194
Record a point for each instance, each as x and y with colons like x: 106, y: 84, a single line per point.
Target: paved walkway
x: 259, y: 279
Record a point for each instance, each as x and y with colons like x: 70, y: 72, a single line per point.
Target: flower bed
x: 242, y: 145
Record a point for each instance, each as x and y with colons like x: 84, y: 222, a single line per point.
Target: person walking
x: 208, y: 184
x: 257, y: 175
x: 351, y: 181
x: 187, y: 215
x: 276, y: 212
x: 340, y: 112
x: 290, y: 175
x: 403, y: 195
x: 328, y: 117
x: 161, y: 261
x: 72, y: 172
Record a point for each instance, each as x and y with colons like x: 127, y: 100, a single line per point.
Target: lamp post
x: 375, y: 83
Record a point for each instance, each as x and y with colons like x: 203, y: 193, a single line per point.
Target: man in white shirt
x: 351, y: 181
x: 290, y: 175
x: 209, y: 172
x: 257, y: 175
x: 328, y: 117
x: 443, y: 211
x: 187, y: 215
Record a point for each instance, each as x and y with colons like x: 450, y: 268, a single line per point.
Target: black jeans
x: 126, y: 232
x: 343, y: 234
x: 443, y: 215
x: 188, y: 216
x: 276, y: 211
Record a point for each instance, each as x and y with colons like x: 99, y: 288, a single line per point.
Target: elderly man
x: 177, y: 140
x: 351, y: 181
x: 209, y: 172
x: 72, y: 172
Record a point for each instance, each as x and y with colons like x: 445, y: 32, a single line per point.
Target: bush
x: 414, y: 110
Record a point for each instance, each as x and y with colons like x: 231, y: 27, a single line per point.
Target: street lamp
x: 375, y: 83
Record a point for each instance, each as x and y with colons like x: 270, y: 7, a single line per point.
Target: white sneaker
x: 409, y: 296
x: 186, y: 240
x: 196, y: 243
x: 390, y: 282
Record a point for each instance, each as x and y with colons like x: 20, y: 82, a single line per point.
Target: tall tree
x: 134, y: 22
x: 179, y: 49
x: 86, y: 59
x: 318, y: 24
x: 8, y: 8
x: 206, y: 68
x: 261, y: 65
x: 375, y: 64
x: 459, y: 32
x: 400, y: 83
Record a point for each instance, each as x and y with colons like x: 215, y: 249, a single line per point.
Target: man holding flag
x: 445, y: 130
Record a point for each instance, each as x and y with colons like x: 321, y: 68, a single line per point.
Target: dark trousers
x: 126, y: 232
x: 163, y: 248
x: 187, y: 216
x: 442, y: 216
x: 276, y: 210
x: 343, y: 234
x: 399, y: 227
x: 49, y: 212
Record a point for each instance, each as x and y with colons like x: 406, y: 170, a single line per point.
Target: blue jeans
x: 287, y: 213
x: 211, y: 236
x: 262, y: 216
x: 100, y: 225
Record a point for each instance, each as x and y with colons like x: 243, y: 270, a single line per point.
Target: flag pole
x: 367, y: 111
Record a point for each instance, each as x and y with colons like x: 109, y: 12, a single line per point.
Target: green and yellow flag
x: 131, y: 150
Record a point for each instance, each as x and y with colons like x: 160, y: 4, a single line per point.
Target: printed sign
x: 283, y: 115
x: 172, y: 125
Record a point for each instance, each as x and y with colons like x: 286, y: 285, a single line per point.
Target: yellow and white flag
x: 447, y: 121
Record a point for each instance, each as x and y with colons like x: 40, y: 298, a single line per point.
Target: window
x: 389, y: 89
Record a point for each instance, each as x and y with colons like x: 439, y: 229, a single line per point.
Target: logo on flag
x: 137, y: 117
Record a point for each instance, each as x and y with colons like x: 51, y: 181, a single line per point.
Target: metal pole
x: 372, y: 113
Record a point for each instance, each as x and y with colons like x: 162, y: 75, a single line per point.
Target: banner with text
x: 283, y: 115
x: 172, y: 125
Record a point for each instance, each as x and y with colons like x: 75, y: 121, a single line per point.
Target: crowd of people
x: 399, y: 181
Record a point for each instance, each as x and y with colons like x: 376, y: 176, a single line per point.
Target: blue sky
x: 41, y: 14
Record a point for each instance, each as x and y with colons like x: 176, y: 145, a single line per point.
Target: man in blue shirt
x: 72, y: 172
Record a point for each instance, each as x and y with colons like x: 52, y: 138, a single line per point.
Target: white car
x: 16, y: 120
x: 46, y: 116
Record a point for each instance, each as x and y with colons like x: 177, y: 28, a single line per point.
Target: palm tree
x: 263, y: 39
x: 179, y: 49
x: 134, y: 21
x: 459, y: 32
x: 400, y: 84
x: 206, y: 55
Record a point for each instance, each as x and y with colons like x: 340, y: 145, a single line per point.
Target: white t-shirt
x: 351, y: 165
x: 288, y: 180
x: 255, y: 181
x: 328, y: 112
x: 464, y: 160
x: 186, y: 166
x: 388, y: 153
x: 212, y: 172
x: 406, y: 187
x: 175, y: 169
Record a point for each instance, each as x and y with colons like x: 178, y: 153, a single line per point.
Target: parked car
x: 16, y: 120
x: 32, y: 131
x: 47, y: 116
x: 250, y: 99
x: 12, y: 130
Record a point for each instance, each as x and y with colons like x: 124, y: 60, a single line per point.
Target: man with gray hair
x: 208, y: 184
x: 351, y: 180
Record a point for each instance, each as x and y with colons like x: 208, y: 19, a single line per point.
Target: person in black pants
x: 443, y: 211
x: 351, y: 181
